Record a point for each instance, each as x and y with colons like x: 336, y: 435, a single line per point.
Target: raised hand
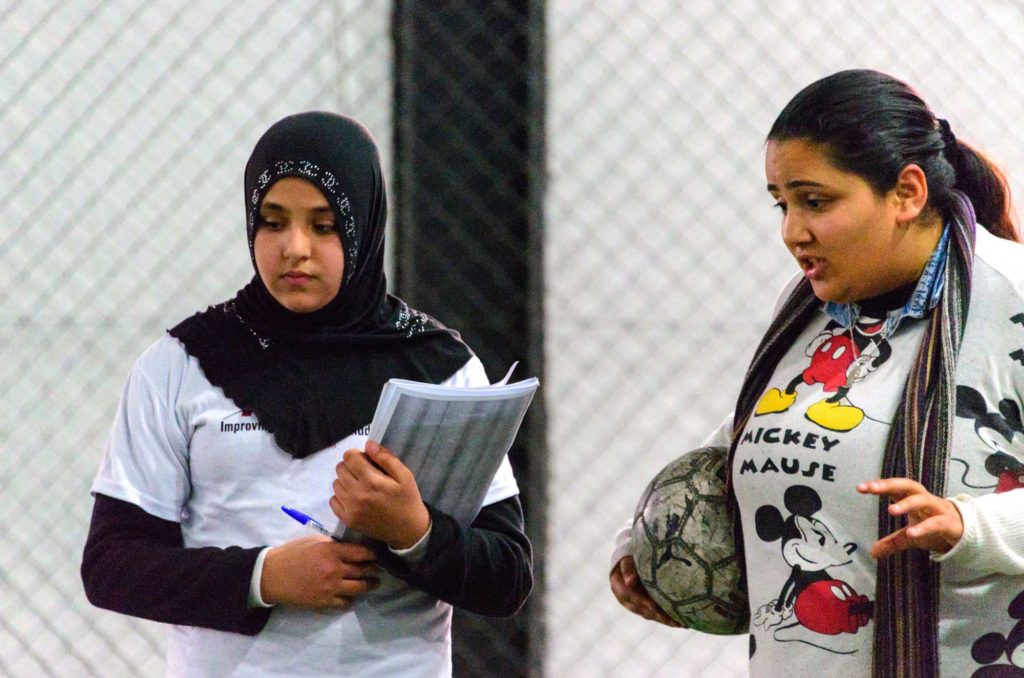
x: 933, y: 523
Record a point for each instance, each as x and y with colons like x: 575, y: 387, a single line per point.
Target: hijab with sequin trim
x: 312, y: 379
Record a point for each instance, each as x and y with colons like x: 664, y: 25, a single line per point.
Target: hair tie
x: 950, y: 149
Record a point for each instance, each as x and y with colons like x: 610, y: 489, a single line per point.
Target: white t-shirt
x: 182, y: 451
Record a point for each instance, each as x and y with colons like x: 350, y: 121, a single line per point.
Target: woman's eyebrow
x: 274, y: 207
x: 797, y: 183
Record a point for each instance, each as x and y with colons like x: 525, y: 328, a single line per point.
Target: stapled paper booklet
x: 453, y: 439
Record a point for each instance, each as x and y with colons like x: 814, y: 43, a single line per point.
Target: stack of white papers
x: 453, y: 439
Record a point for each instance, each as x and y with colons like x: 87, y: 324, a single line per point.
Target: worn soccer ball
x: 682, y: 543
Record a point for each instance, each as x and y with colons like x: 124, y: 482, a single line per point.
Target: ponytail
x: 986, y: 186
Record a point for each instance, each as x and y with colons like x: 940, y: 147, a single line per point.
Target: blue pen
x: 311, y: 523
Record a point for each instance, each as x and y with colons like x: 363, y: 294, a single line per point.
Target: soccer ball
x: 682, y: 543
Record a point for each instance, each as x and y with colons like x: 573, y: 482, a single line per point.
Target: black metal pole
x: 468, y: 196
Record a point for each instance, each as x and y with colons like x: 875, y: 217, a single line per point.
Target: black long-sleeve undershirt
x: 485, y: 568
x: 136, y: 564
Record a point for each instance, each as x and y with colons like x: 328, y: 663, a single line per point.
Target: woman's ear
x: 911, y: 194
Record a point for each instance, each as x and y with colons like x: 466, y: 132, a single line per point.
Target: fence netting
x: 662, y: 254
x: 124, y: 129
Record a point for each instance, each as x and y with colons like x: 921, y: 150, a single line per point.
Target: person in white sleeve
x: 265, y: 400
x: 876, y: 452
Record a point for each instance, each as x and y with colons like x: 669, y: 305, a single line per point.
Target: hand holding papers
x: 453, y: 439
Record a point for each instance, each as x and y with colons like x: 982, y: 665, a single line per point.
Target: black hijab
x: 314, y: 378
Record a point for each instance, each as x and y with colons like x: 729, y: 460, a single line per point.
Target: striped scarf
x: 907, y: 587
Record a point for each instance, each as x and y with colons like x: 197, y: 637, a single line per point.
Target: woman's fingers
x: 933, y: 523
x: 923, y: 504
x: 894, y: 488
x: 938, y: 533
x: 890, y: 544
x: 629, y: 591
x: 628, y: 567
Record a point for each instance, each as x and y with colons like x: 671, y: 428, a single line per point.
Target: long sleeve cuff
x: 993, y: 538
x: 255, y: 584
x: 415, y: 553
x: 484, y: 568
x: 621, y: 549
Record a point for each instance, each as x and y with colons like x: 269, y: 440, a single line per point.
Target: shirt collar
x: 923, y: 299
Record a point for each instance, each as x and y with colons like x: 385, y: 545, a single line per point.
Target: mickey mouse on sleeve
x: 993, y: 647
x: 1001, y: 430
x: 828, y: 610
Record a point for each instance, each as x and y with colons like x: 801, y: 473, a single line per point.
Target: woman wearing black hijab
x: 248, y: 405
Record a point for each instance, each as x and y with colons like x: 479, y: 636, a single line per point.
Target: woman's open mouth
x: 812, y: 267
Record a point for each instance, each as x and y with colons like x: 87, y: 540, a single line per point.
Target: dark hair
x: 873, y: 125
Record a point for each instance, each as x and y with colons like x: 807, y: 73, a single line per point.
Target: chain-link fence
x: 662, y: 255
x: 124, y: 128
